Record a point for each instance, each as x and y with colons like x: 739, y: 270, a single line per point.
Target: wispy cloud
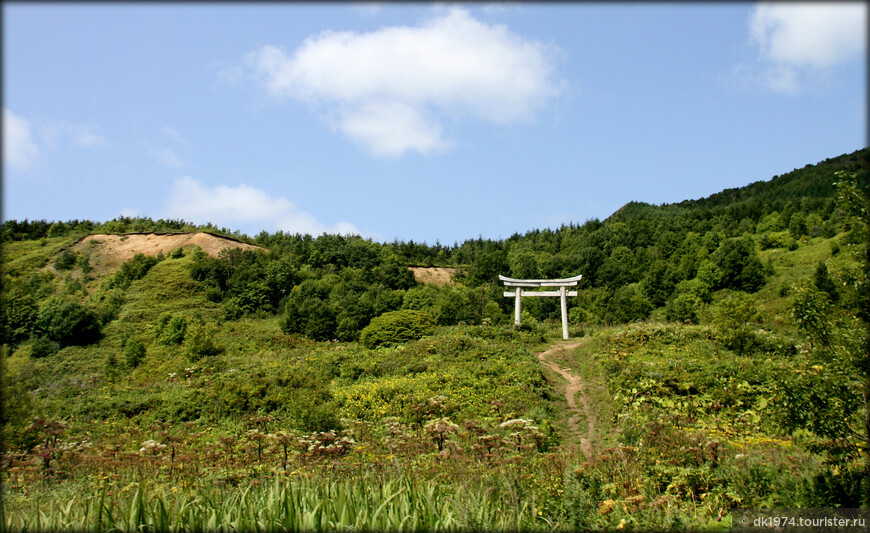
x: 19, y: 149
x: 166, y: 156
x: 169, y: 157
x: 368, y: 8
x: 390, y: 90
x: 86, y: 137
x: 27, y: 142
x: 227, y: 206
x: 801, y: 42
x: 173, y: 134
x: 82, y: 136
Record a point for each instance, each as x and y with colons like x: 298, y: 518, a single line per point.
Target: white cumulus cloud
x: 390, y: 89
x: 243, y: 204
x: 19, y: 149
x: 799, y: 40
x: 388, y: 129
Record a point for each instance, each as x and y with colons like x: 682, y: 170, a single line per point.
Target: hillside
x: 812, y: 182
x: 718, y: 361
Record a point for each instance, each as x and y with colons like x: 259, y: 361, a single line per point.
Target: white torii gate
x: 518, y: 293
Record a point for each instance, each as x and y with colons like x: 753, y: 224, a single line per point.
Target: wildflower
x: 151, y: 446
x: 516, y: 422
x: 606, y: 506
x: 439, y: 429
x: 437, y: 401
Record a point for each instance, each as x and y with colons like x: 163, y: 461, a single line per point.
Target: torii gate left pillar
x: 562, y: 293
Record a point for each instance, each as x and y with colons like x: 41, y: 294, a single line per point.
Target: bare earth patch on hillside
x: 108, y: 252
x: 434, y: 275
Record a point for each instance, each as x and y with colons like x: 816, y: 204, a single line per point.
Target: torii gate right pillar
x: 564, y: 300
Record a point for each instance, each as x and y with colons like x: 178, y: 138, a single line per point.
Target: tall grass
x: 295, y: 504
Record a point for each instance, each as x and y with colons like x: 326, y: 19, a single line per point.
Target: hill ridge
x: 811, y: 181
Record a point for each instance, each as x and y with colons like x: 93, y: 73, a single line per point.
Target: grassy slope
x: 470, y: 370
x: 23, y: 257
x: 486, y: 374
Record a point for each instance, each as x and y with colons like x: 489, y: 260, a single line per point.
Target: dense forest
x: 740, y: 314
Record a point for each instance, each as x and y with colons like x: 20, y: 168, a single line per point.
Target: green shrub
x: 683, y: 308
x: 85, y: 263
x: 231, y: 308
x: 493, y: 312
x: 134, y: 352
x: 421, y: 298
x: 735, y: 317
x: 66, y: 260
x: 578, y: 315
x: 254, y: 298
x: 67, y: 322
x: 111, y: 369
x: 527, y: 318
x: 709, y: 274
x: 397, y: 327
x: 797, y: 225
x: 627, y: 305
x: 767, y: 242
x: 57, y: 229
x: 170, y: 329
x: 696, y: 288
x: 824, y: 282
x: 109, y: 305
x: 199, y: 343
x: 134, y: 269
x: 457, y: 304
x: 313, y: 318
x: 734, y: 310
x: 811, y: 313
x: 739, y: 264
x: 315, y: 416
x: 18, y: 314
x: 43, y: 347
x: 771, y: 222
x: 302, y: 399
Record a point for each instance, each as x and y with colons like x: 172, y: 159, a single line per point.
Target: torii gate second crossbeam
x: 518, y: 293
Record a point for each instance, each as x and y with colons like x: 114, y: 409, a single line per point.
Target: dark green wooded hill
x: 810, y: 183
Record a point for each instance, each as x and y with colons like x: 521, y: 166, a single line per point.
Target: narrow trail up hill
x: 574, y: 391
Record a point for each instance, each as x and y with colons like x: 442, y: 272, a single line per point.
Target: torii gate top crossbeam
x: 564, y: 282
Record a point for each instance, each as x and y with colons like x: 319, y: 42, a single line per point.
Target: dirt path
x: 574, y: 391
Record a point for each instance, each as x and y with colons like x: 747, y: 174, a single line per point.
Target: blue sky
x: 424, y: 122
